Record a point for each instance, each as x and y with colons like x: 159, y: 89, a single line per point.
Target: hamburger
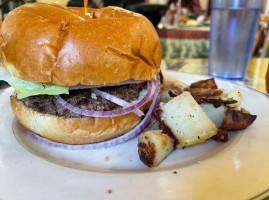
x: 80, y: 78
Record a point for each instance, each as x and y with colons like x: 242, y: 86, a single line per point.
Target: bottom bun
x: 82, y: 130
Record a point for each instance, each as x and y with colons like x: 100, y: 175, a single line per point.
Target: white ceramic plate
x: 238, y: 169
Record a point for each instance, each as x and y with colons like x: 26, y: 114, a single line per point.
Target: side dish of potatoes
x: 192, y: 114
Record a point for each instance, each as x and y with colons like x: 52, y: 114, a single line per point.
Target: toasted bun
x: 51, y: 43
x: 82, y: 130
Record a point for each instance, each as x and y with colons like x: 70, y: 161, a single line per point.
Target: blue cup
x: 232, y: 32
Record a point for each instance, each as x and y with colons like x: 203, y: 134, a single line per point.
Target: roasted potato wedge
x: 216, y: 102
x: 170, y: 84
x: 208, y: 83
x: 236, y: 95
x: 205, y: 93
x: 185, y: 121
x: 165, y: 96
x: 236, y: 120
x: 221, y: 136
x: 154, y: 146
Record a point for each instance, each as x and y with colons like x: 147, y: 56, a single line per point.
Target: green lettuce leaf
x: 26, y: 88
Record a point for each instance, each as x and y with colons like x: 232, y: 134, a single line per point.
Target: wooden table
x: 255, y: 77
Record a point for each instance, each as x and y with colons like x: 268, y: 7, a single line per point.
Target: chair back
x: 119, y: 3
x: 264, y: 19
x: 258, y: 44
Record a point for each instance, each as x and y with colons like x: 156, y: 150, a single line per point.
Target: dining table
x: 32, y: 167
x: 254, y: 78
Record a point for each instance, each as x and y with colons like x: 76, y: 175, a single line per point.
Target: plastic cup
x: 232, y: 32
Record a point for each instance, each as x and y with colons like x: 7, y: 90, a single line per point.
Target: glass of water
x: 232, y: 32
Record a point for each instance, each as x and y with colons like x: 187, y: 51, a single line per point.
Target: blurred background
x: 183, y: 27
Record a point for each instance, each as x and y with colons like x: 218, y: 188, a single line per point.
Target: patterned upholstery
x: 184, y: 43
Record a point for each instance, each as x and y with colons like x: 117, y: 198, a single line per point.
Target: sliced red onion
x: 79, y: 86
x: 113, y: 113
x: 117, y: 101
x: 108, y: 143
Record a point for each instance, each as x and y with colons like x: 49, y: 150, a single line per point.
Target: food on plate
x: 154, y: 146
x: 200, y: 112
x: 221, y: 136
x: 202, y: 94
x: 236, y: 120
x: 207, y: 90
x: 235, y: 95
x: 185, y: 121
x: 228, y: 119
x: 80, y: 78
x: 171, y: 85
x: 208, y: 83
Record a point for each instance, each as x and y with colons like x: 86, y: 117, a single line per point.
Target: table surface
x: 255, y: 77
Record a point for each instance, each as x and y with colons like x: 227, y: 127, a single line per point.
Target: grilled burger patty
x: 83, y: 99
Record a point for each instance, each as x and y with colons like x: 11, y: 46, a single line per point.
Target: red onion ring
x: 108, y: 143
x: 113, y: 113
x: 116, y: 100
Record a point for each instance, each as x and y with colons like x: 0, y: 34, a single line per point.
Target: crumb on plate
x: 106, y: 158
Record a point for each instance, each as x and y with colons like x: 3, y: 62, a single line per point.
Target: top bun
x: 51, y: 43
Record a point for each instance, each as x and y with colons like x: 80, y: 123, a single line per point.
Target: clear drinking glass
x: 232, y: 31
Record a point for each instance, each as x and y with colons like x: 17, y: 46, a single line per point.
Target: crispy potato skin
x: 206, y: 93
x: 147, y: 153
x: 172, y: 86
x: 221, y: 136
x: 237, y: 120
x: 236, y: 95
x: 184, y: 120
x: 165, y: 128
x: 154, y: 146
x: 208, y: 83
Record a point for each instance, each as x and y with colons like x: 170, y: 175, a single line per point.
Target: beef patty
x: 83, y: 99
